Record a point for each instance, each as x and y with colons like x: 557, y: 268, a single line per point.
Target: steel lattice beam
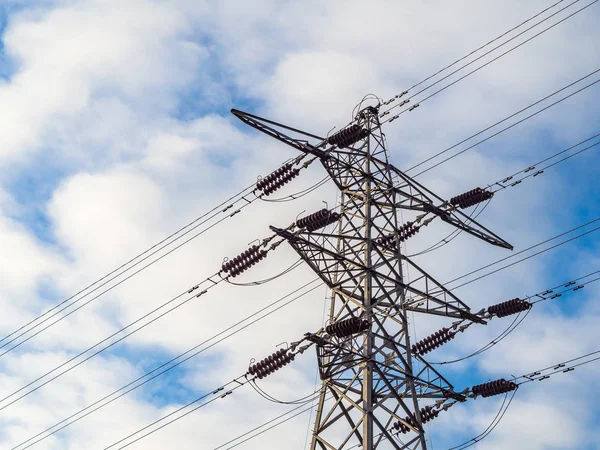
x: 372, y: 378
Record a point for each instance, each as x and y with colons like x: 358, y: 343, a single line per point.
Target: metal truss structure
x: 372, y: 378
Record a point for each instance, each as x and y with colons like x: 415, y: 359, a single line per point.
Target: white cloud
x: 96, y: 90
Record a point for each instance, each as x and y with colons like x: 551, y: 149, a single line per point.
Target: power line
x: 168, y: 366
x: 495, y: 421
x: 510, y: 126
x: 461, y: 285
x: 156, y: 245
x: 486, y: 64
x: 106, y: 290
x: 237, y: 384
x: 310, y: 408
x: 525, y: 250
x: 485, y: 54
x: 562, y: 367
x: 240, y: 194
x: 485, y: 45
x: 547, y: 294
x: 243, y: 192
x: 115, y: 334
x: 229, y: 211
x: 528, y: 172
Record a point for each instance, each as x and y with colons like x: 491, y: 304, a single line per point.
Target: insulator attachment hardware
x: 277, y: 179
x: 428, y: 413
x: 244, y: 261
x: 514, y: 306
x: 272, y: 363
x: 348, y: 136
x: 347, y: 327
x: 433, y: 341
x: 471, y: 198
x: 318, y: 220
x: 492, y: 388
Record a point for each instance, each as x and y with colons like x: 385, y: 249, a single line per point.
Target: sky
x: 116, y: 132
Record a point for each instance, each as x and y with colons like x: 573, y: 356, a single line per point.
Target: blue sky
x: 116, y: 132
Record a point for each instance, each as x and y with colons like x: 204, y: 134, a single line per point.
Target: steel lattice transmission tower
x: 371, y: 375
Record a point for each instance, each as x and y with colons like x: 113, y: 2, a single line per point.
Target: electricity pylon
x: 372, y: 378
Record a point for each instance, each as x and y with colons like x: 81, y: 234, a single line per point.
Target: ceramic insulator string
x: 271, y: 364
x: 471, y: 198
x: 243, y: 261
x: 514, y: 306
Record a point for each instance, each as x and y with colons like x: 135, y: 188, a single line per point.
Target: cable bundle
x: 277, y: 179
x: 514, y: 306
x: 347, y: 327
x: 428, y: 413
x: 471, y: 198
x: 244, y: 261
x: 433, y: 341
x: 348, y: 136
x: 318, y: 220
x: 492, y: 388
x: 271, y: 364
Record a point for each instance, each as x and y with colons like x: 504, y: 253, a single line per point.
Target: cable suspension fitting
x: 492, y: 388
x: 347, y: 327
x: 318, y: 220
x: 514, y: 306
x: 348, y: 136
x: 272, y: 363
x: 433, y: 341
x: 471, y: 198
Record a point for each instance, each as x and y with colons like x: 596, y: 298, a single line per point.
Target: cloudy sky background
x: 116, y: 132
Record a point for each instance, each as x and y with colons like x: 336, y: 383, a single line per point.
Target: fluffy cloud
x: 126, y: 103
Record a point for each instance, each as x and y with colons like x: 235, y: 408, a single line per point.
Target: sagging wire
x: 455, y: 233
x: 514, y: 324
x: 358, y: 107
x: 301, y: 401
x: 499, y: 416
x: 570, y: 286
x: 299, y: 194
x: 298, y: 263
